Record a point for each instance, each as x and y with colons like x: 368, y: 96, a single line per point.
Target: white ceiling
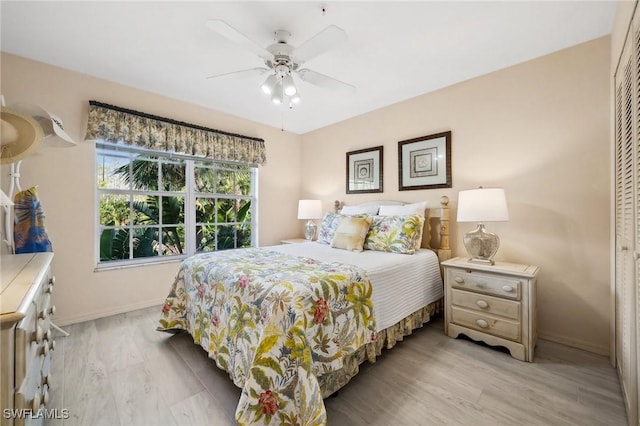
x: 395, y: 50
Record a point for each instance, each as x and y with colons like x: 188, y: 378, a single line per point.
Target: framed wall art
x: 364, y: 170
x: 425, y: 162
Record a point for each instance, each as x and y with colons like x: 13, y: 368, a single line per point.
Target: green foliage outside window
x: 154, y: 225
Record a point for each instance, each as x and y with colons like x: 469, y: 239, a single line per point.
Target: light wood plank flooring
x: 120, y: 371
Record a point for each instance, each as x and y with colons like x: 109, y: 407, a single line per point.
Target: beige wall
x: 65, y: 179
x: 540, y: 130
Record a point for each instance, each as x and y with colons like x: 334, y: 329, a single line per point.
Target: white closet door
x: 627, y: 129
x: 634, y: 287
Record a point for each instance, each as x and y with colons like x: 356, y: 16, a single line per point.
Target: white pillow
x: 406, y: 210
x: 368, y: 210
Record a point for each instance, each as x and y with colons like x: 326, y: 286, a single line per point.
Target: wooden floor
x: 120, y: 371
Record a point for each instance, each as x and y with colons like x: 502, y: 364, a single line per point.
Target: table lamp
x: 482, y: 205
x: 309, y: 209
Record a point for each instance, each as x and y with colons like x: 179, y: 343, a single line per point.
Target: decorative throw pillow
x: 328, y: 227
x: 395, y: 234
x: 351, y: 233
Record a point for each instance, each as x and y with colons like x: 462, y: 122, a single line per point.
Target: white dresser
x: 26, y: 337
x: 492, y: 303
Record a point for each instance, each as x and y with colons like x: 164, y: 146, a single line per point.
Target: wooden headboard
x: 437, y: 241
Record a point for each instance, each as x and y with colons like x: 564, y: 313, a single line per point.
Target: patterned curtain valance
x: 115, y: 124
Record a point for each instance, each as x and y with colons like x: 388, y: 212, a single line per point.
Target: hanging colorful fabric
x: 30, y: 235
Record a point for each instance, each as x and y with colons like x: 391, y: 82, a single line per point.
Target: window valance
x: 119, y: 125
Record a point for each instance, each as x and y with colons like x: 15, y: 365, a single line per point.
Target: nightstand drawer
x: 486, y: 323
x: 487, y: 304
x: 485, y: 283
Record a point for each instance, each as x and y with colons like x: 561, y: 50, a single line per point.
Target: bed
x: 291, y: 324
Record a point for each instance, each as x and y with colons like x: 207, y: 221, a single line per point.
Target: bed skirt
x: 387, y: 338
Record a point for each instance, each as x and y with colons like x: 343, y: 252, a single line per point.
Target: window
x: 154, y: 206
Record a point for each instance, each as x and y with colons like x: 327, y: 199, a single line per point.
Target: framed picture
x: 364, y: 170
x: 425, y: 162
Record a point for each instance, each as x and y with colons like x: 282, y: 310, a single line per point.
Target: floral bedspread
x: 275, y: 323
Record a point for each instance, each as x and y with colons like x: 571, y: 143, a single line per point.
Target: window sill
x: 126, y: 265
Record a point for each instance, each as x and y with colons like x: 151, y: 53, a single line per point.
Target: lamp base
x: 310, y: 229
x: 481, y: 245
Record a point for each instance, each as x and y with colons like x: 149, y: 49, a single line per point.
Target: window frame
x: 190, y: 194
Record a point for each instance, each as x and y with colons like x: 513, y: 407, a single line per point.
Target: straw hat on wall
x: 20, y: 135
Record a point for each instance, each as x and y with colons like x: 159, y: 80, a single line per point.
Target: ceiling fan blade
x: 319, y: 43
x: 325, y: 82
x: 230, y: 33
x: 251, y: 72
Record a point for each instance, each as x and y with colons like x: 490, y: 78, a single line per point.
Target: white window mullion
x: 160, y: 187
x: 215, y: 222
x: 190, y: 208
x: 254, y: 207
x: 131, y: 209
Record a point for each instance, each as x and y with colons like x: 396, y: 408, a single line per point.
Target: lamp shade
x: 482, y: 205
x: 288, y: 85
x: 309, y: 209
x: 276, y: 96
x: 269, y: 84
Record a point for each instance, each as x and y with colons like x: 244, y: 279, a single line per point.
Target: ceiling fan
x: 283, y: 61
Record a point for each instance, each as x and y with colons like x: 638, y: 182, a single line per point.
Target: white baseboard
x: 63, y: 321
x: 574, y: 343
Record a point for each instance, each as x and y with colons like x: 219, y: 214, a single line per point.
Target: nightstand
x: 492, y: 303
x: 293, y: 240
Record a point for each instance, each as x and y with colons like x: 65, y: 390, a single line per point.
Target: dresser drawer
x: 486, y: 323
x: 488, y: 284
x: 488, y: 304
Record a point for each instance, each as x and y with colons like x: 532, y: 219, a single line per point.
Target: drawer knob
x: 52, y: 345
x: 459, y: 280
x: 38, y: 335
x: 482, y: 304
x: 42, y: 315
x: 482, y: 323
x: 507, y: 288
x: 52, y: 310
x: 35, y: 405
x: 47, y: 380
x: 47, y: 335
x: 45, y: 395
x: 45, y: 348
x: 50, y: 288
x: 52, y: 280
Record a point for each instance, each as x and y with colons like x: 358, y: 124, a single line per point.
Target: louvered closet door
x: 627, y: 121
x: 633, y: 151
x: 635, y: 284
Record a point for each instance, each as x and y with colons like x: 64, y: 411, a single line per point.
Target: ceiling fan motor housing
x: 281, y: 52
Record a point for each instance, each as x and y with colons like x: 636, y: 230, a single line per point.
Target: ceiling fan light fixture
x: 289, y: 85
x: 269, y: 84
x: 276, y: 96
